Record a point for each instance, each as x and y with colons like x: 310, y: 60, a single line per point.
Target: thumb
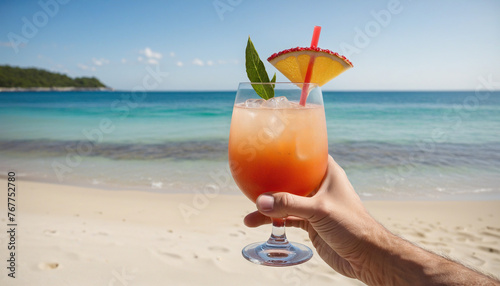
x: 280, y: 205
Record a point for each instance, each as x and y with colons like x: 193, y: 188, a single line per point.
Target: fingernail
x: 265, y: 203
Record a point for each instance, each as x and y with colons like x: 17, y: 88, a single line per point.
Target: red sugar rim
x: 298, y: 49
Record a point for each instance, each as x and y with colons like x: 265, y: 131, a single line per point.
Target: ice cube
x: 275, y: 127
x: 270, y: 103
x: 281, y: 99
x: 254, y: 102
x: 277, y: 102
x: 282, y: 102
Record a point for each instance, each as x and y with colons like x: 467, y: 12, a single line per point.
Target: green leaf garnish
x: 256, y: 72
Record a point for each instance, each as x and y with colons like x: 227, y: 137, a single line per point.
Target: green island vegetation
x: 16, y: 77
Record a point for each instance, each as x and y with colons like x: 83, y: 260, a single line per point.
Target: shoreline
x: 69, y: 233
x: 235, y: 192
x: 43, y: 89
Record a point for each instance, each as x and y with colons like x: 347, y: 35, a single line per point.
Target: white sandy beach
x: 80, y: 236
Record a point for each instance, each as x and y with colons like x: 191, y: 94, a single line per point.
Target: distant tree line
x: 32, y: 77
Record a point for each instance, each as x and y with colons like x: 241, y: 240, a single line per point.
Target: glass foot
x: 273, y: 255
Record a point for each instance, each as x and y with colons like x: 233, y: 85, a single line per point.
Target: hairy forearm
x: 399, y: 262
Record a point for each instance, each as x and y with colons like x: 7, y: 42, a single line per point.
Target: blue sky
x: 393, y: 44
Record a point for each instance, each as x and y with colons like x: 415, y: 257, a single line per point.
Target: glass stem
x: 278, y: 235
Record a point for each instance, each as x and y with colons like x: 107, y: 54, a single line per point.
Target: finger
x: 285, y: 204
x: 297, y: 222
x: 256, y: 219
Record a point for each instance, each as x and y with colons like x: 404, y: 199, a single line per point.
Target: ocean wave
x: 358, y: 154
x: 183, y: 150
x: 378, y: 154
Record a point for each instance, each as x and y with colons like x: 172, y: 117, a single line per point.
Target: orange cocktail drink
x: 278, y: 147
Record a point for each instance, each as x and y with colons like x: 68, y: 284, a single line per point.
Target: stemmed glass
x: 278, y: 145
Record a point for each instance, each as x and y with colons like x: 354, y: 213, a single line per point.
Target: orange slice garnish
x: 293, y: 64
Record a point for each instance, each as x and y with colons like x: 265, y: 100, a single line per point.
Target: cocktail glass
x: 278, y: 145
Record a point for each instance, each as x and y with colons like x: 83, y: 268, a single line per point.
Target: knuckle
x: 322, y: 208
x: 285, y: 201
x: 338, y: 170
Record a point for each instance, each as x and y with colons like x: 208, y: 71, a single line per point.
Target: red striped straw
x: 307, y: 80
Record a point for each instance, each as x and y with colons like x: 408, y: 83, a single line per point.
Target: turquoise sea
x: 393, y: 145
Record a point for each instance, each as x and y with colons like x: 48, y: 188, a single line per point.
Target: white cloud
x: 124, y: 61
x: 198, y: 62
x: 151, y: 57
x: 172, y: 54
x: 225, y: 62
x: 85, y: 67
x: 210, y: 63
x: 100, y: 62
x: 179, y: 64
x: 150, y: 54
x: 147, y: 60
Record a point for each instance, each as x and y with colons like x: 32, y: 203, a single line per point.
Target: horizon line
x: 329, y: 90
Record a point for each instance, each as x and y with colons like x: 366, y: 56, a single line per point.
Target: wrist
x: 390, y: 260
x: 395, y: 261
x: 382, y: 249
